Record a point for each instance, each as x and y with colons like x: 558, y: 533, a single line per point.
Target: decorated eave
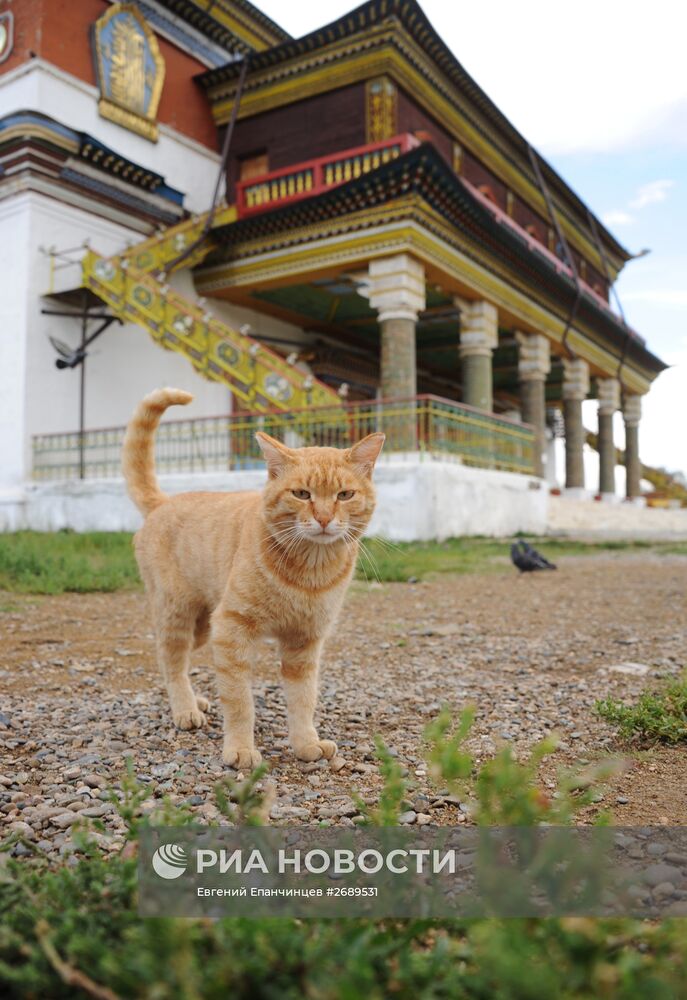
x: 236, y: 25
x: 476, y: 108
x: 62, y: 150
x: 474, y: 228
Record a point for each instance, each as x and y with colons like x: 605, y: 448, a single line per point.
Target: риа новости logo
x: 169, y: 861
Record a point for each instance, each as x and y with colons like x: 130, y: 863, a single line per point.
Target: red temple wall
x: 302, y: 131
x: 59, y: 31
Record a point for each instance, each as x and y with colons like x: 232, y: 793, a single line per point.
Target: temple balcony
x: 306, y: 179
x: 312, y: 177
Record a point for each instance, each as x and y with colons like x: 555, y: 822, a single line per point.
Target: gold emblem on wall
x: 381, y: 112
x: 6, y: 34
x: 130, y: 69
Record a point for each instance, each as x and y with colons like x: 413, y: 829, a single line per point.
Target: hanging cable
x: 221, y: 171
x: 611, y: 285
x: 566, y: 250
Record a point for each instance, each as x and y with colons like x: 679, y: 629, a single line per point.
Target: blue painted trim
x: 129, y: 200
x: 177, y: 31
x: 156, y: 184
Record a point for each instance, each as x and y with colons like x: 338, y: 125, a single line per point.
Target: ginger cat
x: 238, y: 567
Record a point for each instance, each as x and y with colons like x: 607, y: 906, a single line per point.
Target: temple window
x: 255, y: 165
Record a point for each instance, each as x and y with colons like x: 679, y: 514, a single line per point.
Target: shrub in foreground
x: 657, y: 716
x: 73, y: 931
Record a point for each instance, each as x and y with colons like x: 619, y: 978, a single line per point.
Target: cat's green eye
x: 345, y: 494
x: 301, y: 494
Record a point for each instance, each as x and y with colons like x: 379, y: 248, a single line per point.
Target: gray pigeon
x: 528, y: 559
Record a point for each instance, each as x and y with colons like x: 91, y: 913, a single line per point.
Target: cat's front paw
x: 203, y: 703
x: 315, y: 750
x: 242, y: 758
x: 191, y: 719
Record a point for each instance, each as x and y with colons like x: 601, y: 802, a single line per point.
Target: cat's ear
x: 276, y: 454
x: 365, y: 453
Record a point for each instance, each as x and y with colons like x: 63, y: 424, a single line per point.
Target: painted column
x: 575, y: 389
x: 396, y: 289
x: 632, y: 413
x: 534, y: 364
x: 479, y: 336
x: 608, y: 390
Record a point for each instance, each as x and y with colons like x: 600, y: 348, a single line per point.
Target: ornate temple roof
x: 293, y: 56
x: 423, y: 172
x: 237, y: 25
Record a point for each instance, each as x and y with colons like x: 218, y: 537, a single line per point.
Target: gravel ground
x: 81, y: 692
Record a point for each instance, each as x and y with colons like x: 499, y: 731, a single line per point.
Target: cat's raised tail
x: 138, y: 452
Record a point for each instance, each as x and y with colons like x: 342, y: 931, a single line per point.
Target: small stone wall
x: 419, y: 499
x: 622, y: 520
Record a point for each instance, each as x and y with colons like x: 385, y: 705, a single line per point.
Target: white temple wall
x: 184, y: 163
x: 419, y: 499
x: 15, y: 237
x: 122, y: 365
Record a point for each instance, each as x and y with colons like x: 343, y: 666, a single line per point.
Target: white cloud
x: 605, y: 79
x: 661, y: 441
x: 617, y: 218
x: 648, y: 194
x: 676, y: 297
x: 652, y: 193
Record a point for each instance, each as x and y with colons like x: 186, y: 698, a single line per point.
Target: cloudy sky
x: 600, y: 88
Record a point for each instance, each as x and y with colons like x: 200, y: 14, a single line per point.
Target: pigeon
x: 528, y: 559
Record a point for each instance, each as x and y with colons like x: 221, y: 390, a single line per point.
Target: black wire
x: 220, y: 173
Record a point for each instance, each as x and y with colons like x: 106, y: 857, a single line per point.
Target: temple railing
x: 311, y: 177
x: 428, y: 425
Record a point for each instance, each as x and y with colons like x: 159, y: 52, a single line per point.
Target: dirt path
x: 80, y: 691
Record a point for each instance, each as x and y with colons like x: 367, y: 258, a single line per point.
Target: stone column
x: 396, y: 289
x: 534, y: 364
x: 575, y: 389
x: 479, y: 335
x: 632, y: 413
x: 609, y: 401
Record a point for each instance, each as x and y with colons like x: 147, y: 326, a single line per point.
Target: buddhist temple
x: 319, y: 237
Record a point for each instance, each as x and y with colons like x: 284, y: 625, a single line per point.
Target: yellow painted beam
x: 240, y: 23
x: 427, y: 236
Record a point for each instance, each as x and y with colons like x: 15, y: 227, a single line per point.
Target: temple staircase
x: 135, y: 288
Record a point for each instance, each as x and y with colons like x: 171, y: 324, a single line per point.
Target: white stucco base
x: 627, y: 520
x: 418, y: 500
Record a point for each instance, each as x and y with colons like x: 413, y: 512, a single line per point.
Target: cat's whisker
x: 385, y: 543
x: 355, y: 542
x: 288, y: 548
x: 370, y: 558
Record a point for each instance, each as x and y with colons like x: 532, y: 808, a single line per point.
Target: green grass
x: 34, y: 562
x: 400, y: 562
x: 656, y: 717
x: 71, y: 930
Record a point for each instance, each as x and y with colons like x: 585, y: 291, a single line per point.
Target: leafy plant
x: 246, y: 802
x: 656, y: 716
x: 505, y: 791
x: 73, y: 931
x: 394, y: 788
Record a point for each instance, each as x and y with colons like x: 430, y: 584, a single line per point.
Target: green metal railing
x: 425, y: 424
